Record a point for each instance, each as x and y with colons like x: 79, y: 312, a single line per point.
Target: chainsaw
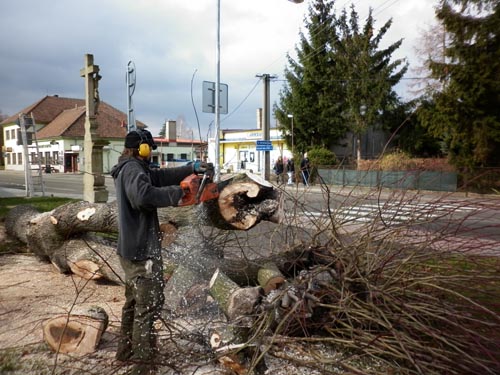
x: 198, y: 188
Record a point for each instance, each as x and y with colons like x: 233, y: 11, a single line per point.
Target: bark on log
x: 178, y: 285
x: 90, y: 258
x: 77, y: 333
x: 270, y: 277
x: 233, y: 300
x: 59, y: 235
x: 91, y: 254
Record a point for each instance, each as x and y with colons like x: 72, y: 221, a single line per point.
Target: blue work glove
x: 202, y: 167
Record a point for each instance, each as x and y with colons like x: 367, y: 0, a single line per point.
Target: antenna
x: 131, y: 126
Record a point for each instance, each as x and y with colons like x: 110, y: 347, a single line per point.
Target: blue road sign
x: 264, y: 147
x: 264, y: 143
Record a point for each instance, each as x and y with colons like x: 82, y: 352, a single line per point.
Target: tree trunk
x: 62, y: 236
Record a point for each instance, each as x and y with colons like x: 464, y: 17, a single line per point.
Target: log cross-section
x: 77, y: 333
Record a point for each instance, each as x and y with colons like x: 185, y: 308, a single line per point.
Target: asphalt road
x: 57, y: 184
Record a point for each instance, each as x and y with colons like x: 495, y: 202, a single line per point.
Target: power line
x: 387, y: 7
x: 243, y: 101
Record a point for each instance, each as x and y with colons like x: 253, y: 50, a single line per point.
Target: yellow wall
x: 238, y: 149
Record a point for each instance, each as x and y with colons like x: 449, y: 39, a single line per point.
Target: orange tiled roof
x: 47, y: 108
x: 65, y: 117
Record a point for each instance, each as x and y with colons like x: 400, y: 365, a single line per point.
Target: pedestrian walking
x: 278, y: 169
x: 305, y: 169
x: 290, y: 170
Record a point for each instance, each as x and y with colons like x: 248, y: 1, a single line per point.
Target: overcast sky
x: 43, y: 44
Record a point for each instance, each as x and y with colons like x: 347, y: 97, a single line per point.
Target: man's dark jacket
x: 139, y: 191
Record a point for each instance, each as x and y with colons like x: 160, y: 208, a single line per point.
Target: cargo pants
x: 144, y: 299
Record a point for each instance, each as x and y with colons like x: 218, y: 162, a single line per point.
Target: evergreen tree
x: 369, y: 73
x: 341, y: 80
x: 466, y: 113
x: 311, y: 94
x: 409, y: 135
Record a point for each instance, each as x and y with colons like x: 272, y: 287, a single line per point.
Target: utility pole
x: 217, y: 99
x: 266, y: 122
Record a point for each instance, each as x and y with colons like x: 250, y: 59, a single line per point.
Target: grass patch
x: 9, y: 361
x: 484, y: 270
x: 42, y: 204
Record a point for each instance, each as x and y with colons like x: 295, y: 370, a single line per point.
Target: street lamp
x: 291, y: 116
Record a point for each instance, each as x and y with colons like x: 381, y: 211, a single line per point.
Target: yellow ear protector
x: 144, y: 147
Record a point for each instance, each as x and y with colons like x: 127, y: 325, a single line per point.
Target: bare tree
x: 431, y: 46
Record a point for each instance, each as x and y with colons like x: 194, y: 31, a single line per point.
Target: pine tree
x: 311, y: 94
x: 369, y: 73
x: 341, y: 80
x: 466, y: 113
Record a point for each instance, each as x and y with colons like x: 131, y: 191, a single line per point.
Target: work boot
x: 124, y: 351
x: 143, y: 369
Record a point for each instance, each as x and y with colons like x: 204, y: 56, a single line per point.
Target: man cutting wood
x: 140, y: 190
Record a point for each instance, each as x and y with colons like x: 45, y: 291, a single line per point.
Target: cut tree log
x: 270, y: 277
x: 76, y: 333
x: 233, y: 300
x: 248, y: 200
x: 56, y: 235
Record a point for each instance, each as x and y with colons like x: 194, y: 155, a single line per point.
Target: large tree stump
x: 77, y: 333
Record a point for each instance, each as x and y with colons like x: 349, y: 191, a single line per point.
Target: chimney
x: 171, y: 130
x: 259, y: 118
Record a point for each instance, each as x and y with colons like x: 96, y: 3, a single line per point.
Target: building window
x: 170, y: 157
x: 47, y: 157
x: 14, y: 159
x: 12, y: 133
x: 55, y: 157
x: 8, y: 158
x: 19, y: 158
x: 184, y: 156
x: 7, y: 135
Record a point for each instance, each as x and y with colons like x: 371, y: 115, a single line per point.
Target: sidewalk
x: 10, y: 192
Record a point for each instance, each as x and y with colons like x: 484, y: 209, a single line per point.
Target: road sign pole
x: 217, y: 100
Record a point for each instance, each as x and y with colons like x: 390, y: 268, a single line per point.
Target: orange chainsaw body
x: 196, y: 190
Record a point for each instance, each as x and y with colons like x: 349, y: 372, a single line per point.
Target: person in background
x: 290, y: 168
x: 304, y: 169
x: 139, y: 191
x: 278, y: 169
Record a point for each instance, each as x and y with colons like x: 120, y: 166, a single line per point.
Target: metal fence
x: 411, y: 180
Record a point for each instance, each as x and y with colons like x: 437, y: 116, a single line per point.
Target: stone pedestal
x: 94, y: 184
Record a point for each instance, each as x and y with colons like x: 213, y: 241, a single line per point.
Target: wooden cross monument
x: 94, y: 188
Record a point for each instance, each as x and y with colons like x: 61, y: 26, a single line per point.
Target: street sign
x: 208, y: 97
x: 264, y: 143
x: 264, y: 147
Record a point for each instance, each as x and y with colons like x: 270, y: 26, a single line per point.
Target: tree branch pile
x: 379, y: 299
